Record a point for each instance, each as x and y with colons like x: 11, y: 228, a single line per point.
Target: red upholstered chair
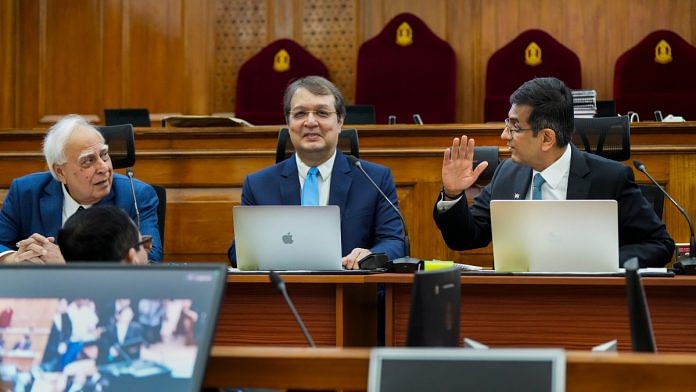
x: 406, y: 69
x: 534, y: 53
x: 657, y: 74
x: 263, y: 78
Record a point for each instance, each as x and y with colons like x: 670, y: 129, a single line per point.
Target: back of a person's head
x: 99, y: 233
x: 552, y: 106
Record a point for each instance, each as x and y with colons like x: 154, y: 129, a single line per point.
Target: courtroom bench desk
x: 554, y: 311
x: 338, y: 310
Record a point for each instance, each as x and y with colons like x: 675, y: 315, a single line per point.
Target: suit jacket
x: 641, y: 233
x: 34, y: 204
x: 367, y: 220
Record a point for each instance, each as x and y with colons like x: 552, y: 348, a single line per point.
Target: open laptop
x: 107, y: 327
x: 456, y: 369
x: 288, y: 238
x: 555, y: 236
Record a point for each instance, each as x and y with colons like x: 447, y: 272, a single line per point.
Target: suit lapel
x: 520, y: 184
x: 578, y: 181
x: 289, y: 182
x: 341, y: 181
x: 51, y: 206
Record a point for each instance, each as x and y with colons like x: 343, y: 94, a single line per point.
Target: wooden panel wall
x: 62, y: 56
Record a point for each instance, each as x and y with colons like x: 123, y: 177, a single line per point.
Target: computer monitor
x: 107, y: 327
x: 642, y: 338
x: 455, y: 369
x: 359, y: 114
x: 434, y: 317
x: 137, y: 117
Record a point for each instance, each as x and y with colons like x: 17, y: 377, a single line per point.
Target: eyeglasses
x: 303, y: 114
x: 145, y: 242
x: 514, y: 127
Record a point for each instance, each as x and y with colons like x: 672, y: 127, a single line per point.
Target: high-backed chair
x: 262, y: 80
x: 347, y: 143
x: 610, y: 137
x: 136, y: 117
x: 657, y: 74
x: 121, y: 142
x: 405, y: 70
x: 490, y: 154
x: 534, y: 53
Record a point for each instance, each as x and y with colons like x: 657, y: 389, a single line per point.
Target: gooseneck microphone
x: 684, y: 264
x: 407, y: 243
x: 277, y: 281
x: 129, y: 172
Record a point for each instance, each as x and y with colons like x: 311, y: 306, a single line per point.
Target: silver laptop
x: 288, y: 238
x: 555, y: 235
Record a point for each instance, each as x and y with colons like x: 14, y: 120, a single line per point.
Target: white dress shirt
x: 324, y: 179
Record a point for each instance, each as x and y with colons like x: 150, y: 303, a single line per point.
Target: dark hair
x: 552, y: 106
x: 316, y: 85
x: 99, y: 233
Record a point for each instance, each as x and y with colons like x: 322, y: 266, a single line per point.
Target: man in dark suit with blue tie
x: 80, y: 175
x: 544, y: 165
x: 319, y: 174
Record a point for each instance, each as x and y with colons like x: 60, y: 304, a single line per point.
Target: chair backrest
x: 532, y: 53
x: 433, y: 319
x: 657, y: 74
x: 491, y: 154
x: 139, y: 117
x: 347, y: 143
x: 407, y: 69
x: 161, y: 210
x: 609, y: 137
x: 359, y: 114
x: 654, y: 196
x: 262, y: 80
x: 121, y: 142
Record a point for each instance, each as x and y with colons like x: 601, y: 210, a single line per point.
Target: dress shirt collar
x: 324, y: 169
x: 558, y: 171
x: 70, y: 206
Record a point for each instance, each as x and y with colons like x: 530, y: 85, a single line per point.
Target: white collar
x: 324, y: 169
x: 558, y: 170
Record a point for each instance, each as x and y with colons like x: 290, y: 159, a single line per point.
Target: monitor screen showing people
x: 76, y: 327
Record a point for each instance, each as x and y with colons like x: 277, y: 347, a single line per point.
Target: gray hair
x: 58, y: 136
x: 316, y: 85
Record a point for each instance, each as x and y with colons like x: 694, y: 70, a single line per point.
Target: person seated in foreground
x: 538, y: 132
x: 314, y: 111
x: 80, y: 176
x: 103, y: 233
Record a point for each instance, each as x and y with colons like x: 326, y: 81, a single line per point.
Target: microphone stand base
x: 685, y: 265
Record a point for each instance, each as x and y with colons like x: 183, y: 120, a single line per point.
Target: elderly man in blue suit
x: 315, y: 110
x: 80, y: 175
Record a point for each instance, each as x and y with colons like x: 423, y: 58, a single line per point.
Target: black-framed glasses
x: 514, y: 127
x: 303, y: 114
x: 145, y: 242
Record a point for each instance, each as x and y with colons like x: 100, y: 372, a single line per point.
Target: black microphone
x: 129, y: 172
x: 277, y: 281
x: 684, y: 264
x: 417, y: 119
x: 407, y: 243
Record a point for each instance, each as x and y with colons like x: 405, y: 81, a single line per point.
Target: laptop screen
x: 454, y: 369
x: 107, y: 327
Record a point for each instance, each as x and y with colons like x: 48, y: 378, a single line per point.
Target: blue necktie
x: 536, y: 188
x: 310, y: 190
